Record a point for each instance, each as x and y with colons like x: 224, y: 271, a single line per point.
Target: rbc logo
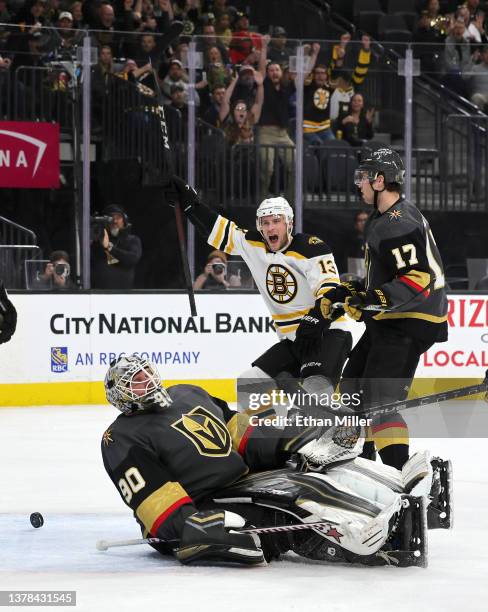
x: 59, y: 359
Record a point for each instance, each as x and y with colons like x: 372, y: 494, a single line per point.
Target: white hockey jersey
x: 291, y: 280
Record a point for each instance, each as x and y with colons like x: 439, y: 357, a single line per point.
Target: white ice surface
x: 50, y: 462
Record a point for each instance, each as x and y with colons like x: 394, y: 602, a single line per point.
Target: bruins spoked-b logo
x: 321, y: 98
x: 280, y: 284
x: 206, y: 431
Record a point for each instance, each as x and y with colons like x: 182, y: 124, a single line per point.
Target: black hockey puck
x: 36, y: 520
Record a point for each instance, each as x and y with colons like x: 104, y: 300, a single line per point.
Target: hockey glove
x: 208, y: 536
x: 309, y: 333
x: 8, y: 316
x: 180, y: 191
x: 355, y: 306
x: 339, y: 294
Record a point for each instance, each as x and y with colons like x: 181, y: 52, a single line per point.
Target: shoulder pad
x: 308, y: 246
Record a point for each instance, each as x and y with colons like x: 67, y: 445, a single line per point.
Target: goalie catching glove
x: 8, y: 316
x: 208, y: 536
x: 354, y: 305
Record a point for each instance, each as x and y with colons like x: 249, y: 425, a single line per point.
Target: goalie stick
x: 319, y: 525
x: 168, y: 37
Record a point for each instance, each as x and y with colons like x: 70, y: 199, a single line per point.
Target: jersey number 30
x: 132, y: 483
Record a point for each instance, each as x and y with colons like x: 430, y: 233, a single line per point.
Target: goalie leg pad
x: 440, y: 511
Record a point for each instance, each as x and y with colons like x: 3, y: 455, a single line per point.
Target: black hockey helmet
x: 383, y: 161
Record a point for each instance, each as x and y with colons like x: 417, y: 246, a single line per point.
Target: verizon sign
x: 29, y: 154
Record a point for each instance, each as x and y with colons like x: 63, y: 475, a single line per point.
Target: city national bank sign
x: 29, y: 155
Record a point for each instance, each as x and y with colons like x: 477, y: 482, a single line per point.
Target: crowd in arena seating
x: 245, y: 83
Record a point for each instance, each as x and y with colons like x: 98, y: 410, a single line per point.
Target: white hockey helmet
x: 275, y: 206
x: 129, y: 395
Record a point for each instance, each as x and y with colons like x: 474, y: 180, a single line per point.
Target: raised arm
x: 225, y: 106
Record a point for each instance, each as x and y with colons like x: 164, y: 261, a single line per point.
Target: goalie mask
x: 276, y: 207
x: 133, y: 384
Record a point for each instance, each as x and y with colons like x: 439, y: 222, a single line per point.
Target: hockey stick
x: 443, y: 396
x: 378, y: 308
x: 168, y: 37
x: 320, y: 525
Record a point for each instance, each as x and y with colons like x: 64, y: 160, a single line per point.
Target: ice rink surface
x: 50, y: 462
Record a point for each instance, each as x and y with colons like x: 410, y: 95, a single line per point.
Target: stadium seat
x: 392, y: 23
x: 368, y: 22
x: 400, y: 6
x: 405, y: 9
x: 366, y: 5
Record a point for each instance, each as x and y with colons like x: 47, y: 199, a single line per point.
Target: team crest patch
x: 314, y: 240
x: 281, y: 285
x: 395, y: 215
x: 107, y: 437
x: 209, y: 435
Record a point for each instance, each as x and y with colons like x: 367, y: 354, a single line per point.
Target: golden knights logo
x: 281, y: 285
x: 321, y: 98
x: 107, y: 437
x: 206, y: 431
x: 395, y: 215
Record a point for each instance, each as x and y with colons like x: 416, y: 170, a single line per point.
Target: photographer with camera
x: 115, y: 252
x: 213, y: 277
x: 56, y: 274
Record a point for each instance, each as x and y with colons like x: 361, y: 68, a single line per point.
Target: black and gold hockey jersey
x: 403, y: 261
x: 164, y: 460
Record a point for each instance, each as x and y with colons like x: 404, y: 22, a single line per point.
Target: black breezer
x: 327, y: 360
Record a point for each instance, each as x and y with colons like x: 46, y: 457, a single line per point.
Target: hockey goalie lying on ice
x: 195, y: 473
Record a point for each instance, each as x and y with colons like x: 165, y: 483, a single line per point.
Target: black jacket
x: 116, y: 269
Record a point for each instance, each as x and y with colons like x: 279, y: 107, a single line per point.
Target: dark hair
x: 56, y: 255
x: 396, y: 187
x: 360, y: 212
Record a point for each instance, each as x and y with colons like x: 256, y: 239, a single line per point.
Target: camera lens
x: 59, y: 269
x: 218, y: 268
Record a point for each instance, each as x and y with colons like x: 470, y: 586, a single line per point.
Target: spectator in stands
x: 209, y: 39
x: 278, y: 51
x: 245, y: 88
x: 189, y: 12
x: 217, y: 7
x: 472, y: 6
x: 476, y: 28
x: 56, y: 274
x: 76, y: 10
x: 429, y: 45
x: 63, y: 38
x: 176, y: 76
x: 351, y: 57
x: 342, y: 94
x: 357, y: 125
x: 179, y: 102
x: 479, y: 80
x: 462, y: 13
x: 316, y: 107
x: 26, y: 40
x: 213, y: 277
x: 116, y: 253
x: 217, y: 73
x: 5, y: 17
x: 239, y: 119
x: 457, y: 58
x: 273, y: 126
x: 223, y: 29
x: 357, y: 243
x: 212, y: 113
x: 101, y: 72
x: 244, y: 42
